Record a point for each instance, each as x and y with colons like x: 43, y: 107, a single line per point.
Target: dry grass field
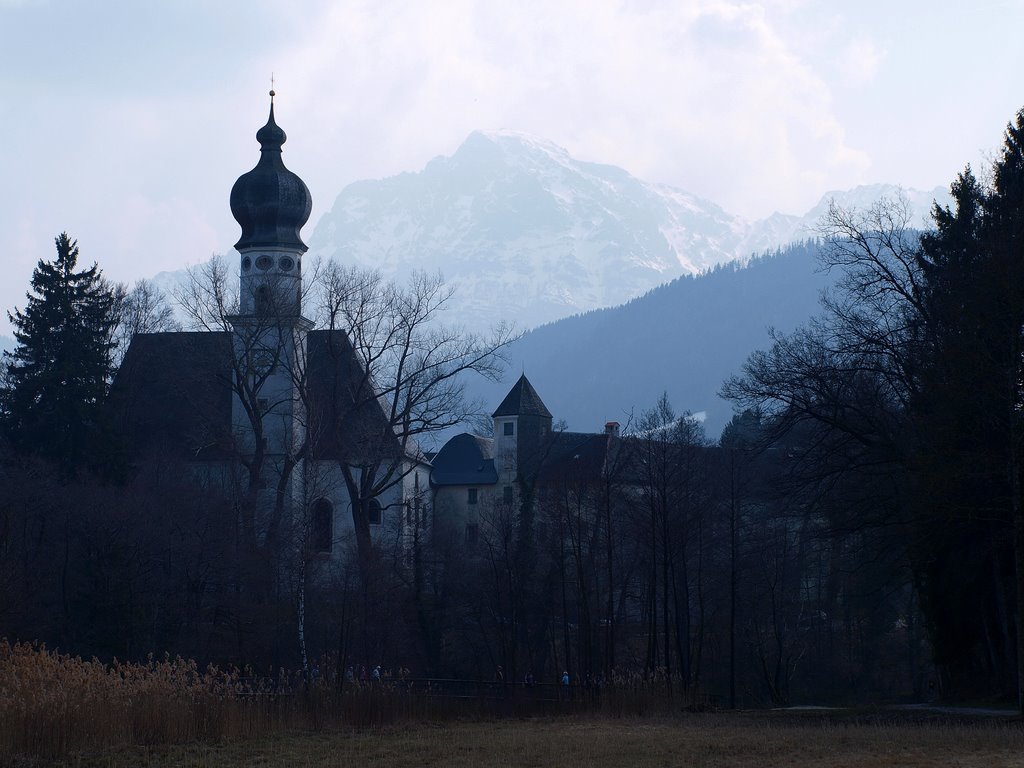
x: 58, y: 710
x: 720, y: 740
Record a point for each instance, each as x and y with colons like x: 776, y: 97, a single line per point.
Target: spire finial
x: 272, y: 93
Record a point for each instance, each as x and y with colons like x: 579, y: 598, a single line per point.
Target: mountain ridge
x: 525, y: 231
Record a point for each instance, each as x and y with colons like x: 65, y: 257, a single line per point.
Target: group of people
x: 365, y: 675
x: 362, y: 676
x: 528, y: 679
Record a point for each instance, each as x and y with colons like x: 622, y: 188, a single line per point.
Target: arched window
x: 374, y: 513
x: 321, y: 532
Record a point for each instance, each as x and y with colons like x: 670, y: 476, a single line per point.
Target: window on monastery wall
x: 375, y: 514
x: 510, y: 428
x: 471, y: 496
x: 322, y: 526
x: 472, y: 533
x: 507, y: 494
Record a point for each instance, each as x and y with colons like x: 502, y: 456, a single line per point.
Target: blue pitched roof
x: 465, y: 460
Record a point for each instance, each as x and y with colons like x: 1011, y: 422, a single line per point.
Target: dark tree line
x: 905, y: 394
x: 652, y: 556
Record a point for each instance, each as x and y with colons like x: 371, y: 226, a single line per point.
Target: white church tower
x: 271, y: 204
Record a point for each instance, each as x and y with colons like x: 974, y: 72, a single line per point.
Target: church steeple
x: 271, y: 204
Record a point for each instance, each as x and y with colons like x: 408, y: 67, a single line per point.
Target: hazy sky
x: 125, y: 123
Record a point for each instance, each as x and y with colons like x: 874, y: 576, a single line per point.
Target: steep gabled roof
x: 172, y: 394
x: 579, y: 455
x: 522, y: 400
x: 346, y: 418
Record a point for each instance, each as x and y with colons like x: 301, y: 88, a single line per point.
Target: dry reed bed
x: 54, y: 707
x: 52, y: 704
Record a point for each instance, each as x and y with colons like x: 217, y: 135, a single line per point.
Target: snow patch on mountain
x: 528, y: 233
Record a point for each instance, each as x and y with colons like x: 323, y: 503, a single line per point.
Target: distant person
x: 350, y: 675
x: 376, y: 674
x: 565, y: 679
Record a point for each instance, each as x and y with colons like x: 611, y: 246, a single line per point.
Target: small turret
x: 522, y: 424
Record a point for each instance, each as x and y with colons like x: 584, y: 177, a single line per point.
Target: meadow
x: 721, y: 740
x: 58, y: 710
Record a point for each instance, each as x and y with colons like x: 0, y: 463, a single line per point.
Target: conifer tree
x: 58, y: 373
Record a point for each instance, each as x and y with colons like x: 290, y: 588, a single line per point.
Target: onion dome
x: 270, y: 202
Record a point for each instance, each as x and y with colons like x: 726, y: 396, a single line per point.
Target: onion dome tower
x: 271, y: 204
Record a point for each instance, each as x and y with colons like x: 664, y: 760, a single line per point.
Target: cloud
x: 861, y: 61
x: 709, y: 95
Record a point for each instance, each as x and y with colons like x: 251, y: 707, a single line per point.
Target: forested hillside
x: 684, y: 338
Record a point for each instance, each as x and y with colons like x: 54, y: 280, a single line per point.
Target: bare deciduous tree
x: 411, y: 366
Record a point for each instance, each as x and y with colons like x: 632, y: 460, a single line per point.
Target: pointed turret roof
x: 522, y: 400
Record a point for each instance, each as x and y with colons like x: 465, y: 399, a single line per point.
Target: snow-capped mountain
x: 527, y: 233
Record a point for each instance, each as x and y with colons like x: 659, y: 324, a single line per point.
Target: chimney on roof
x: 611, y: 428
